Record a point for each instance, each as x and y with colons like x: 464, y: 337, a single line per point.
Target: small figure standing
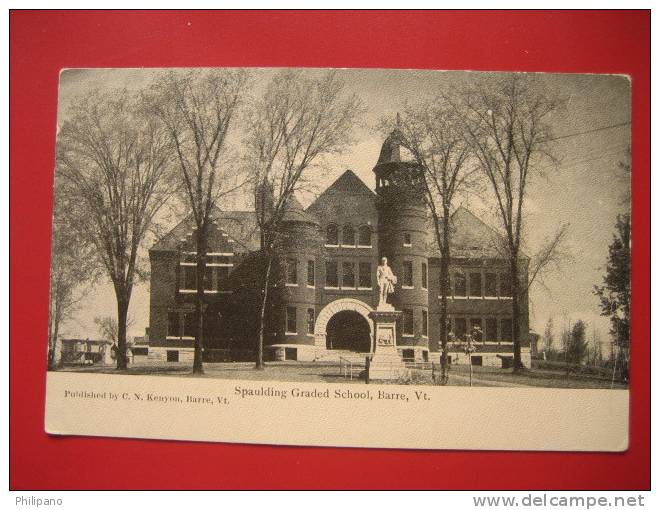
x: 386, y: 281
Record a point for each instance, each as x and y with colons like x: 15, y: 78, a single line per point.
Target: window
x: 475, y: 284
x: 477, y: 335
x: 173, y: 324
x: 505, y: 285
x: 506, y: 330
x: 348, y: 236
x: 407, y: 274
x: 291, y: 319
x: 189, y: 277
x: 491, y: 285
x: 222, y: 275
x: 408, y: 354
x: 172, y: 356
x: 310, y: 273
x: 425, y: 323
x: 407, y: 240
x: 448, y: 285
x: 425, y: 276
x: 460, y: 328
x: 477, y: 361
x: 460, y: 289
x: 408, y: 322
x: 490, y: 332
x: 291, y: 272
x: 364, y: 235
x: 332, y: 235
x: 310, y: 321
x: 189, y: 324
x: 331, y: 279
x: 365, y: 275
x: 291, y: 353
x: 348, y: 274
x: 208, y: 277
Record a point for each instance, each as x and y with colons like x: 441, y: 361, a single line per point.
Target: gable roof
x: 347, y: 182
x: 347, y: 185
x: 471, y: 237
x: 239, y: 227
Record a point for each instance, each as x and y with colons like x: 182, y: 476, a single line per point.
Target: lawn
x: 291, y: 371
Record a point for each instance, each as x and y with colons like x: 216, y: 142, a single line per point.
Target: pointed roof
x: 295, y: 212
x: 347, y: 182
x: 390, y: 152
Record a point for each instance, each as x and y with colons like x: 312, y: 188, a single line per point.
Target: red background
x: 44, y: 42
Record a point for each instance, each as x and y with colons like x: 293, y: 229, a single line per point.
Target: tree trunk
x: 198, y: 367
x: 262, y: 315
x: 53, y: 351
x: 515, y: 317
x: 122, y: 314
x: 52, y: 335
x: 444, y: 291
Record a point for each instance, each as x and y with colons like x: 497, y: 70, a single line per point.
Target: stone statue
x: 386, y: 281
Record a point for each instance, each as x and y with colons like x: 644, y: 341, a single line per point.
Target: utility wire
x: 603, y: 128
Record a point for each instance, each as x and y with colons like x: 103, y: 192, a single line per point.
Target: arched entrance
x: 350, y: 321
x: 348, y: 331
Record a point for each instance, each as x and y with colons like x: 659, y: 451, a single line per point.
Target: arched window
x: 348, y: 236
x: 332, y: 235
x: 364, y: 235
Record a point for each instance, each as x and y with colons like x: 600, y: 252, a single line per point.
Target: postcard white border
x: 452, y: 418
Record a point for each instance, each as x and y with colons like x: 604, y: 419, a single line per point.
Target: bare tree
x: 197, y: 109
x: 70, y: 275
x: 507, y: 125
x: 290, y: 129
x: 114, y: 160
x: 107, y: 326
x: 549, y: 335
x: 433, y: 135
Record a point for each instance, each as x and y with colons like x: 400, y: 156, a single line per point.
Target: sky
x: 586, y: 190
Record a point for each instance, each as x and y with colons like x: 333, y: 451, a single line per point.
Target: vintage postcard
x: 342, y: 257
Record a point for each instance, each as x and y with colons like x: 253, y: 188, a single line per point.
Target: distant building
x: 325, y: 286
x: 85, y: 351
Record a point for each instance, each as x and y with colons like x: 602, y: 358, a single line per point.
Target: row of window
x: 474, y: 285
x: 216, y: 278
x: 352, y: 275
x: 482, y: 329
x: 461, y: 285
x: 348, y: 235
x: 183, y: 325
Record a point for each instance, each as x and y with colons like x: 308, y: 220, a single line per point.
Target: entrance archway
x: 348, y: 331
x: 335, y: 307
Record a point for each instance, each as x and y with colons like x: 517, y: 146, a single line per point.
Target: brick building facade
x: 325, y: 284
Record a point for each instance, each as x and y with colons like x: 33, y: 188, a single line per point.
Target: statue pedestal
x: 386, y: 364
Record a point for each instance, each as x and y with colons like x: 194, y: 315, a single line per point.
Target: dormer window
x: 332, y: 235
x: 407, y: 239
x: 348, y: 236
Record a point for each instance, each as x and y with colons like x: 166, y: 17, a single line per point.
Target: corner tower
x: 402, y: 229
